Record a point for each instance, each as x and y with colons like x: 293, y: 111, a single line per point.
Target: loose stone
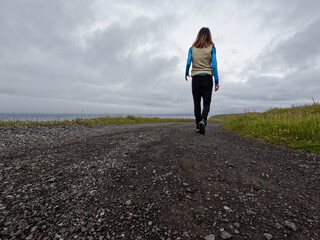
x: 290, y: 225
x: 226, y: 208
x: 52, y: 179
x: 237, y: 225
x: 29, y: 237
x: 226, y: 235
x: 268, y: 236
x: 210, y: 237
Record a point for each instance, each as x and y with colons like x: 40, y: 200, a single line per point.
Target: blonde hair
x: 203, y: 39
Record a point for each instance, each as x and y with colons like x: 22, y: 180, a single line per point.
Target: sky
x: 129, y: 57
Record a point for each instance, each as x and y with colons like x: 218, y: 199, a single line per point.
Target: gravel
x: 225, y: 235
x: 268, y: 236
x: 210, y: 237
x: 153, y: 181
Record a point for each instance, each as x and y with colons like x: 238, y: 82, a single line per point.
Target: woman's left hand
x: 216, y: 87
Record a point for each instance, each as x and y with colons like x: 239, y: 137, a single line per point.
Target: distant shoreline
x: 94, y: 120
x: 72, y: 116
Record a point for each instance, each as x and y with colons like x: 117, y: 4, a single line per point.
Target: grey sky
x: 129, y: 57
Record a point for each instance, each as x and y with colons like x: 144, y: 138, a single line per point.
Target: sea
x: 71, y: 116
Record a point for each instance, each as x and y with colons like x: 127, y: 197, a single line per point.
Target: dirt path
x: 153, y: 181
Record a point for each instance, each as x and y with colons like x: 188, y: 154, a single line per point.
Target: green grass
x: 101, y: 120
x: 297, y: 127
x: 220, y: 117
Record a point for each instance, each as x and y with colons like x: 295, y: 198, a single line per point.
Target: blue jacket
x: 213, y: 64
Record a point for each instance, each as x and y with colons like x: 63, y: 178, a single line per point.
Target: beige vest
x: 201, y: 61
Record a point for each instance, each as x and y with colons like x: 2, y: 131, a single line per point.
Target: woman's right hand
x: 186, y: 77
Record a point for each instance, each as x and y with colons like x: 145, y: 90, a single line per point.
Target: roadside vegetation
x: 221, y: 117
x: 297, y: 127
x: 100, y: 120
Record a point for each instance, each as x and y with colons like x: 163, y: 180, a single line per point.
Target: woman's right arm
x: 189, y: 60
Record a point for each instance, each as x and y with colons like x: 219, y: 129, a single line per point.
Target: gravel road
x: 153, y: 181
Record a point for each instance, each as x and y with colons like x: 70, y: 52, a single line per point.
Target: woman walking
x: 202, y: 55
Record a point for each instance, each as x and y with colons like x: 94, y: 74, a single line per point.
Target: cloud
x: 283, y: 74
x: 120, y: 64
x: 129, y: 57
x: 298, y: 51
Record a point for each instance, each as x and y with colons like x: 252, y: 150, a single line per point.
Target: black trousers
x: 201, y: 88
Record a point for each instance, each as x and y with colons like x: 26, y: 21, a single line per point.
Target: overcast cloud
x: 128, y: 57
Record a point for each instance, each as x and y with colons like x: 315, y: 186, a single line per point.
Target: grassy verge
x: 220, y: 117
x: 297, y: 127
x: 127, y: 119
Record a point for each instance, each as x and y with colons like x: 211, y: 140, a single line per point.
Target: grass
x: 297, y: 127
x: 221, y: 117
x: 100, y: 120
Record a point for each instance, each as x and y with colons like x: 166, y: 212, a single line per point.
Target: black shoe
x: 197, y: 130
x: 202, y: 126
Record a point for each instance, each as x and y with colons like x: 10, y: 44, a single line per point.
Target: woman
x: 202, y: 54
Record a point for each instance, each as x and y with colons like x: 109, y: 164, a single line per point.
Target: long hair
x: 203, y: 39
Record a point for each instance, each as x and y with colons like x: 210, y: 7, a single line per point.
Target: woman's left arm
x: 214, y: 65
